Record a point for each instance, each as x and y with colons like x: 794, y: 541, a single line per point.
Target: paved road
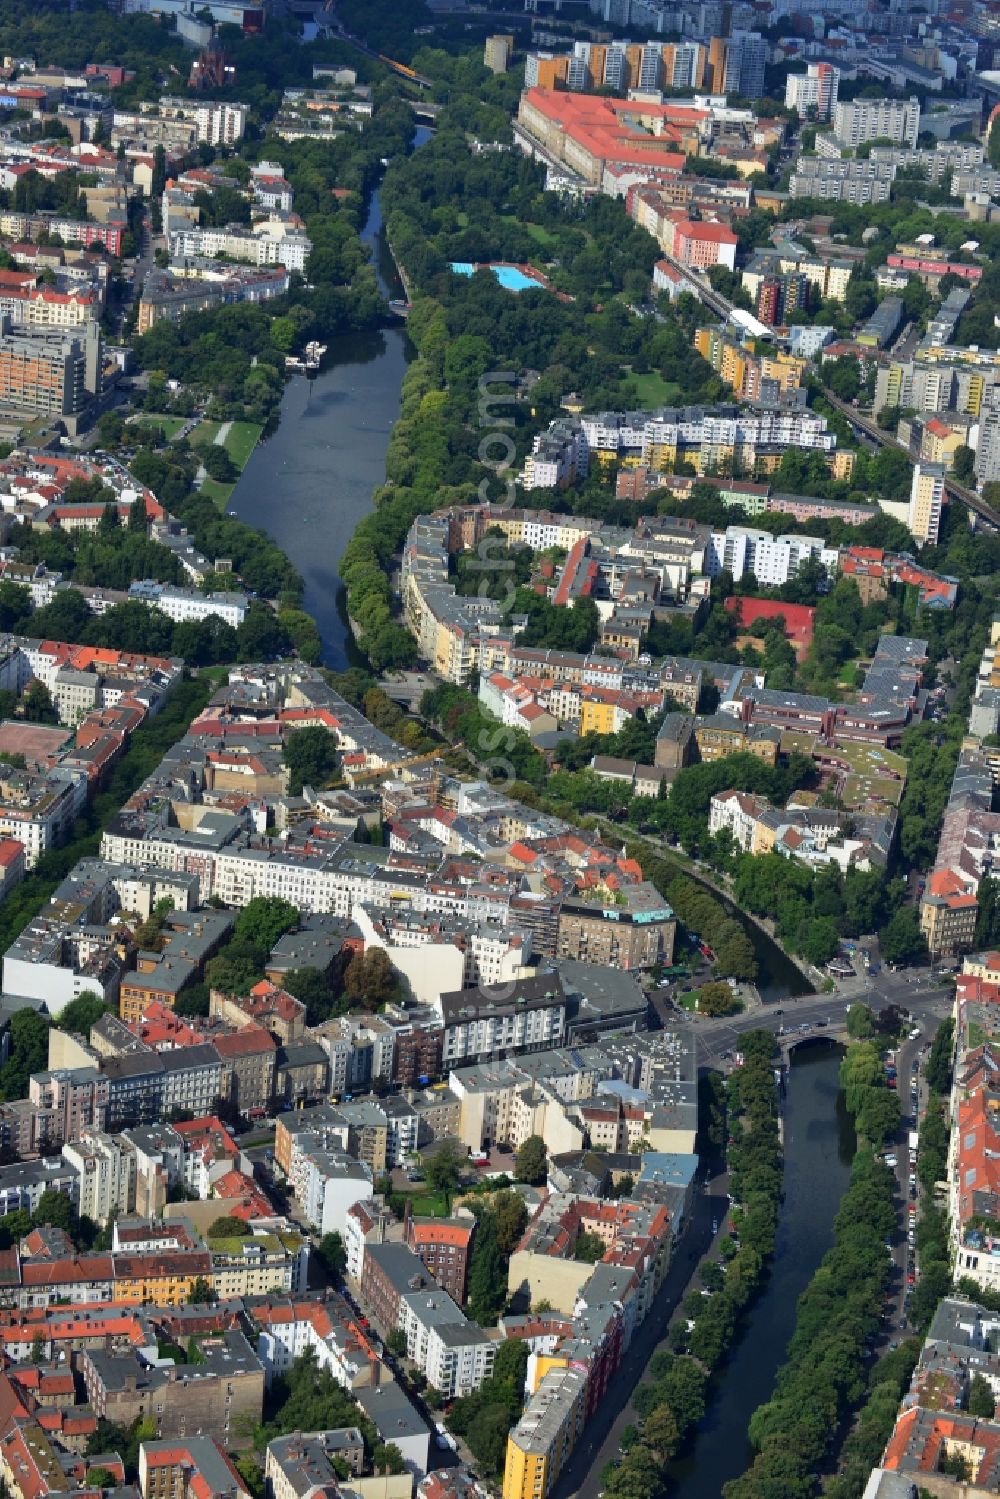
x: 916, y: 991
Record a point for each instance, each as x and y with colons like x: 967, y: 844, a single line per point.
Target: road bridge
x: 814, y: 1017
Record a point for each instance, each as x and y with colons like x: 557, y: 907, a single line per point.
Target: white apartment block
x: 42, y: 308
x: 816, y: 90
x: 107, y: 1174
x: 40, y: 824
x: 221, y: 124
x: 738, y: 813
x: 282, y: 1340
x: 772, y: 559
x: 863, y: 120
x: 333, y: 1183
x: 194, y: 1084
x: 558, y: 457
x: 267, y: 244
x: 454, y: 1354
x: 471, y: 1035
x: 988, y: 450
x: 435, y: 960
x: 183, y: 604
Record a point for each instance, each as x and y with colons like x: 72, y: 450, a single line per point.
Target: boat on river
x: 308, y: 362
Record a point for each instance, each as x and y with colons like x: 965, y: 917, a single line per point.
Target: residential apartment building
x: 927, y: 498
x: 50, y: 374
x: 444, y: 1246
x: 540, y: 1444
x: 298, y: 1466
x: 861, y: 120
x: 107, y: 1172
x: 332, y: 1182
x: 987, y: 461
x: 848, y: 181
x: 268, y: 243
x: 638, y: 931
x: 529, y: 1015
x: 813, y: 94
x: 189, y: 1469
x: 65, y: 1103
x: 214, y: 1397
x: 454, y: 1354
x: 248, y: 1060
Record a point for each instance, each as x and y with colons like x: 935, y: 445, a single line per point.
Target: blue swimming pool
x: 508, y: 276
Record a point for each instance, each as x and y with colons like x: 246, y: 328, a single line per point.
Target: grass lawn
x: 167, y: 426
x: 429, y: 1205
x: 541, y: 236
x: 205, y: 432
x: 653, y: 390
x: 240, y: 441
x: 219, y: 493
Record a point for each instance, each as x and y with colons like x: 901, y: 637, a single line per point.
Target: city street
x: 915, y: 990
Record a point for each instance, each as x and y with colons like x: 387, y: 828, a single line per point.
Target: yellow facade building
x: 541, y: 1443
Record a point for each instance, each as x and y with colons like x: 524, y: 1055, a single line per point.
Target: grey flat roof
x: 392, y: 1413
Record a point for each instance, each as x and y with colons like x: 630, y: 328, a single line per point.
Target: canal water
x: 777, y: 975
x: 819, y: 1148
x: 310, y: 483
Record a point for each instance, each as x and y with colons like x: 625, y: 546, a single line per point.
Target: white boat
x: 309, y: 360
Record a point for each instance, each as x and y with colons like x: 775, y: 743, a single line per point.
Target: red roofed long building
x: 585, y: 134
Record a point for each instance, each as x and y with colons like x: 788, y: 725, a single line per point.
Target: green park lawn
x: 239, y: 443
x: 241, y: 439
x: 167, y: 426
x: 652, y: 390
x: 217, y: 493
x: 204, y: 433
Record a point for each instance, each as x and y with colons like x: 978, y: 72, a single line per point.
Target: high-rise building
x: 795, y: 293
x: 861, y: 120
x: 717, y: 50
x: 988, y: 451
x: 616, y: 69
x: 926, y: 500
x: 542, y: 70
x: 54, y: 373
x: 586, y: 65
x: 746, y: 57
x: 497, y: 52
x: 816, y: 89
x: 107, y: 1174
x: 221, y: 124
x: 769, y: 299
x: 684, y: 64
x: 651, y: 66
